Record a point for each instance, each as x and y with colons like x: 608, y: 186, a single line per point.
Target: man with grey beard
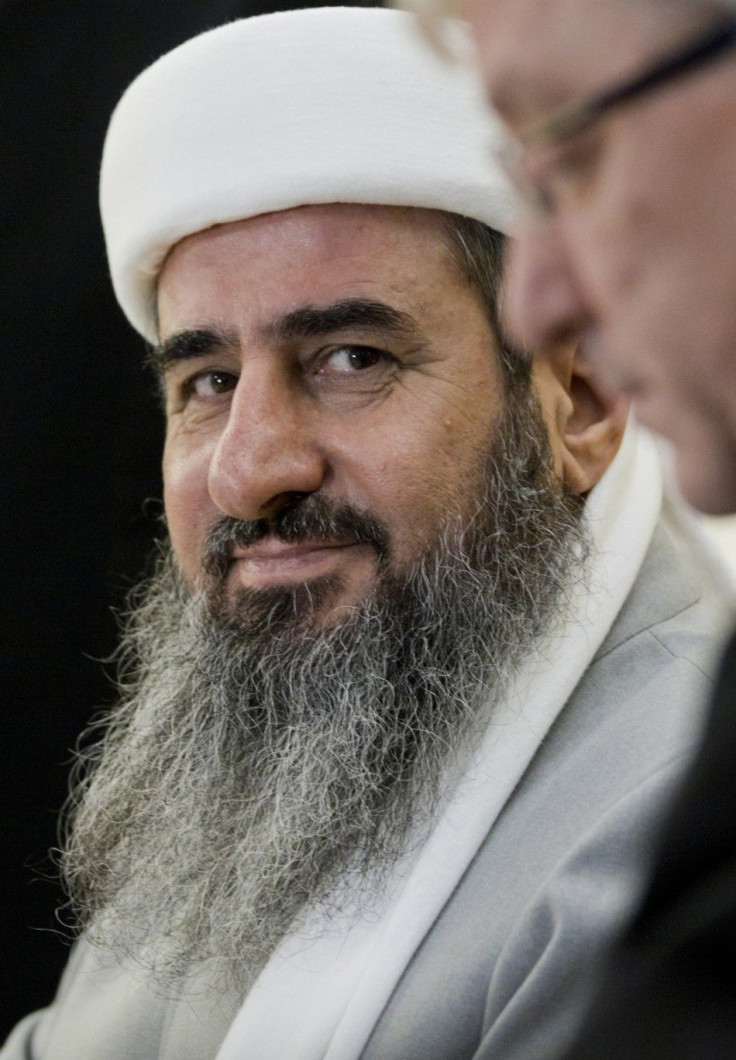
x: 417, y: 667
x: 303, y: 751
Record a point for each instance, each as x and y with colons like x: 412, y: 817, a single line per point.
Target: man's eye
x: 210, y: 384
x: 346, y: 359
x: 573, y: 164
x: 576, y: 157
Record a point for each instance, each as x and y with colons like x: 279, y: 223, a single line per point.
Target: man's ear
x: 586, y: 422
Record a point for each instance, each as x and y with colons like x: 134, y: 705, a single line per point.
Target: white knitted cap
x: 300, y: 107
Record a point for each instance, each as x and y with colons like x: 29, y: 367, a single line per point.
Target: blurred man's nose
x: 542, y: 302
x: 267, y: 454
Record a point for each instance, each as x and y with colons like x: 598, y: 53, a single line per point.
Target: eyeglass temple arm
x: 578, y: 116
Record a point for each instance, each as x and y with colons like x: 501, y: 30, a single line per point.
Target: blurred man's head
x: 631, y: 241
x: 374, y: 505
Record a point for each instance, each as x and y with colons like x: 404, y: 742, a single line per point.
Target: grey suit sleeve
x: 23, y: 1041
x: 108, y: 1009
x: 545, y: 974
x: 19, y: 1046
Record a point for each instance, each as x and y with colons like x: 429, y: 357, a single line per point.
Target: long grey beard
x: 256, y: 763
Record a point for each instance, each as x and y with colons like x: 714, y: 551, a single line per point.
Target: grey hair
x: 478, y: 251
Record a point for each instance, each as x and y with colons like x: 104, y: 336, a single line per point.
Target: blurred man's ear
x: 586, y: 422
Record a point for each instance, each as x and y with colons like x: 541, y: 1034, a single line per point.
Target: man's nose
x: 267, y: 453
x: 542, y: 302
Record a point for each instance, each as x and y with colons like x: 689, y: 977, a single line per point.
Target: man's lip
x: 273, y: 549
x: 273, y: 562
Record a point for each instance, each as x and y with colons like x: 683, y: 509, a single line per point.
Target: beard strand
x: 258, y: 769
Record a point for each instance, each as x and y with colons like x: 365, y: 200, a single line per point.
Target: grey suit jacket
x: 505, y: 970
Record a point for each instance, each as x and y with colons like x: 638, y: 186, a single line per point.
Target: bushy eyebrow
x: 312, y: 321
x: 187, y: 345
x: 309, y: 321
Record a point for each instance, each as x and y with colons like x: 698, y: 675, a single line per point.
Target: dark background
x: 80, y: 430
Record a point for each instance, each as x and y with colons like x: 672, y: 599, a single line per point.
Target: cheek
x: 646, y: 226
x: 424, y: 474
x: 189, y: 510
x: 609, y: 239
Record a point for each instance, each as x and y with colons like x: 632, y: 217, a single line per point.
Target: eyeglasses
x: 574, y: 119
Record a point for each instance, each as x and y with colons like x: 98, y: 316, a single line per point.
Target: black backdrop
x: 80, y: 430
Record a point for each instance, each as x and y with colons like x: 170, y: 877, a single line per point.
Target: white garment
x: 319, y: 998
